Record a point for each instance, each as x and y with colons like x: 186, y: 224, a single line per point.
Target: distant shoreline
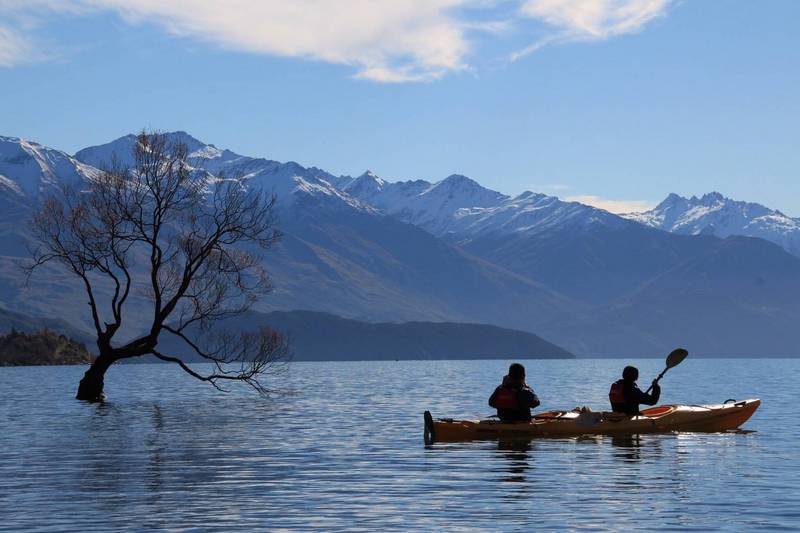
x: 305, y: 361
x: 41, y: 348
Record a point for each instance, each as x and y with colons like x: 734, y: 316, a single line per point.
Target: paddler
x: 513, y: 399
x: 625, y: 396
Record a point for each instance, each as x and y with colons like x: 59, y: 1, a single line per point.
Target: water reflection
x: 517, y: 454
x: 628, y: 447
x: 156, y: 449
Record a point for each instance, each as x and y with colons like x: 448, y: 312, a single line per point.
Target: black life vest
x: 617, y: 393
x: 506, y: 398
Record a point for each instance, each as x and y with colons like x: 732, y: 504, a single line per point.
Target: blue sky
x: 620, y: 100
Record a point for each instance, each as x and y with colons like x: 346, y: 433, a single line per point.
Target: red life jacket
x: 506, y: 398
x: 617, y: 392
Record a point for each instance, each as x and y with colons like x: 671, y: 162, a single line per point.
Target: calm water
x: 344, y: 451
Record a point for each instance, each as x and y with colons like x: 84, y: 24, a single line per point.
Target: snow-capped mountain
x: 431, y: 206
x: 714, y: 214
x: 290, y: 181
x: 29, y: 170
x: 456, y: 206
x: 121, y: 149
x: 530, y: 213
x: 460, y: 208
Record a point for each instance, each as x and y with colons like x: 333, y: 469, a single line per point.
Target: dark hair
x: 516, y: 371
x: 630, y: 373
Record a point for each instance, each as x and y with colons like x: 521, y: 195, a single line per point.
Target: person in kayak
x: 513, y: 399
x: 625, y: 396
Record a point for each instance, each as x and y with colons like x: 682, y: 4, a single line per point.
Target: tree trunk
x: 90, y: 387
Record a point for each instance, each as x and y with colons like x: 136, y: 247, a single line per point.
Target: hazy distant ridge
x: 324, y: 337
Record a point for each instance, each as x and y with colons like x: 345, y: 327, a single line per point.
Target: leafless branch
x: 192, y: 240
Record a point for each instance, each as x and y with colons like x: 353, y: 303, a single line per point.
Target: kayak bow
x: 660, y: 419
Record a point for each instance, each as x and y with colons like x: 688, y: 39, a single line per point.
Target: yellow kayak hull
x: 661, y: 419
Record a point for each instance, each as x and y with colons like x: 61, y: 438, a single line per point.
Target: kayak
x: 660, y: 419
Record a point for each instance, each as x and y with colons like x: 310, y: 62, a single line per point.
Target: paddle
x: 674, y: 358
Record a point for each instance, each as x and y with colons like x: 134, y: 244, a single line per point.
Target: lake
x: 342, y: 449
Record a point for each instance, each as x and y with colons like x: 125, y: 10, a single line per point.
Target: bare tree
x: 188, y: 241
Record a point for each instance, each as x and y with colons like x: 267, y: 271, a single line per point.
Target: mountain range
x: 713, y: 214
x: 710, y: 273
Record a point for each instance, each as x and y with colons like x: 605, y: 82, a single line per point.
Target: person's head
x: 630, y: 373
x: 516, y: 372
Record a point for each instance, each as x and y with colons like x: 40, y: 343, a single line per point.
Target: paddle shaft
x: 674, y: 358
x: 661, y: 375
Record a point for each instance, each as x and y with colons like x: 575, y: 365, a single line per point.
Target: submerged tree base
x: 90, y: 392
x: 90, y: 388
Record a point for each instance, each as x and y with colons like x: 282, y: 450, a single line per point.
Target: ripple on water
x: 344, y: 451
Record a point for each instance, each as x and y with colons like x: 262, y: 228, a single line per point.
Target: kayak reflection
x: 518, y: 454
x: 628, y: 447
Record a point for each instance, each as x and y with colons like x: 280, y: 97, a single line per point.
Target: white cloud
x: 19, y: 20
x: 383, y: 40
x: 588, y: 20
x: 596, y: 18
x: 613, y: 206
x: 386, y: 40
x: 14, y: 48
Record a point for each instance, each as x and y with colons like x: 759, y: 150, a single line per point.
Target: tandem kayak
x: 660, y: 419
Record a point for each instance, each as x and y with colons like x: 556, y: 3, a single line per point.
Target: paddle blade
x: 676, y: 357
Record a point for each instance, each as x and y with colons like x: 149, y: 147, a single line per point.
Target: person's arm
x: 649, y: 399
x: 529, y: 398
x: 656, y: 394
x: 492, y: 397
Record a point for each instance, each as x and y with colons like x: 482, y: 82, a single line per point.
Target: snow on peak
x: 289, y: 181
x: 295, y: 184
x: 181, y: 137
x: 713, y: 197
x: 419, y: 202
x: 456, y: 204
x: 206, y: 152
x: 29, y: 169
x: 460, y: 206
x: 121, y: 149
x: 671, y: 200
x: 366, y: 185
x: 710, y: 199
x: 715, y: 214
x: 458, y: 181
x: 466, y: 189
x: 368, y: 174
x: 529, y: 212
x: 530, y: 195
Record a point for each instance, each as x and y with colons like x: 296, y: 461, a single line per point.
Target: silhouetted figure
x: 513, y: 399
x: 625, y: 396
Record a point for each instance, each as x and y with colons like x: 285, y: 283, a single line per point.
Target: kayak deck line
x: 659, y: 419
